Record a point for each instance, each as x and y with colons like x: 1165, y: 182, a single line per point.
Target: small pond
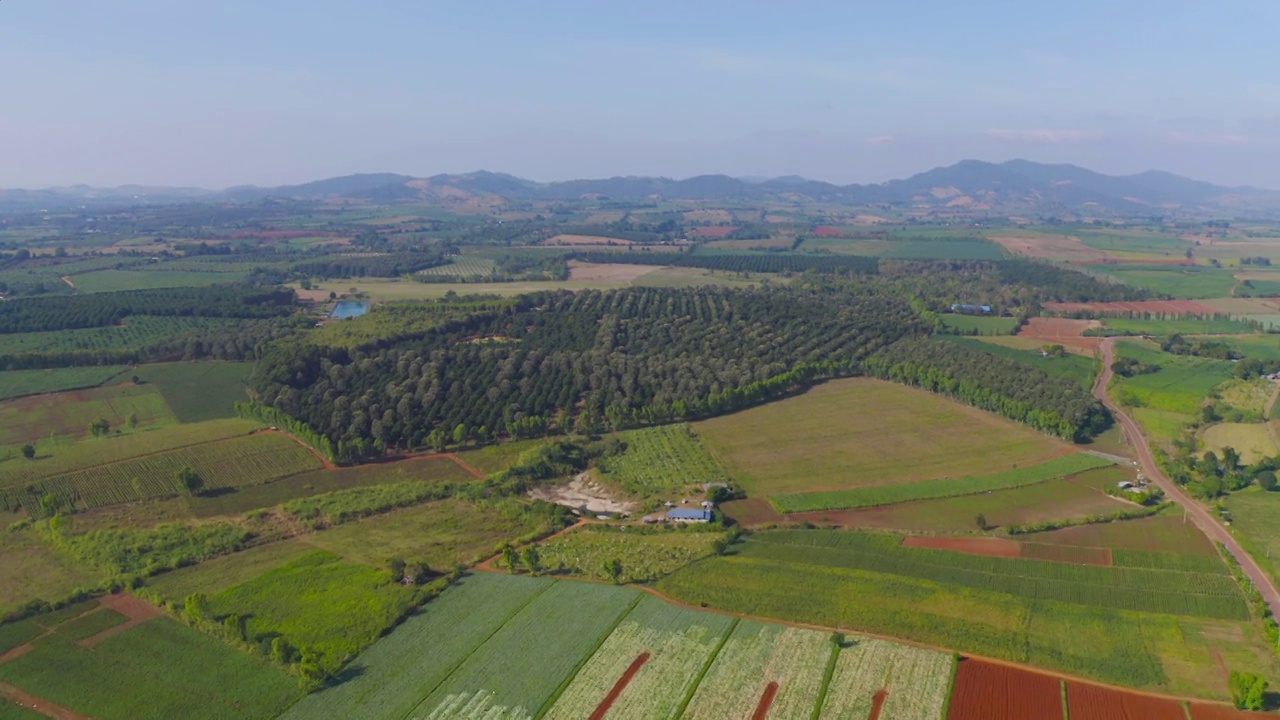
x: 349, y: 309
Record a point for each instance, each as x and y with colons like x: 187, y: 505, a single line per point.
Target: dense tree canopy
x: 104, y: 309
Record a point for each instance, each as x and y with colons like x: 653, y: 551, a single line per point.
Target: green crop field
x: 1161, y: 424
x: 917, y: 681
x: 680, y: 642
x: 1254, y: 441
x: 663, y: 461
x: 465, y: 266
x: 1172, y: 326
x: 13, y: 711
x: 16, y: 383
x: 178, y: 672
x: 1077, y: 368
x: 978, y: 325
x: 943, y: 488
x: 1140, y: 589
x: 69, y: 414
x: 1180, y: 385
x: 140, y: 331
x: 1253, y: 522
x: 319, y: 602
x: 1179, y: 281
x: 396, y: 673
x: 1166, y: 532
x: 908, y: 248
x: 560, y: 627
x: 851, y: 433
x: 1135, y: 242
x: 199, y: 391
x: 496, y: 458
x: 222, y: 573
x: 645, y: 556
x: 230, y: 463
x: 32, y: 570
x: 442, y: 534
x: 318, y: 482
x: 112, y: 280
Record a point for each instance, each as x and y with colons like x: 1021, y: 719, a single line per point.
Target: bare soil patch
x: 591, y: 271
x: 992, y: 547
x: 1209, y: 711
x: 585, y: 494
x: 603, y: 708
x: 1051, y: 247
x: 1094, y: 702
x: 44, y: 707
x: 877, y: 703
x: 138, y: 612
x: 1062, y: 331
x: 752, y: 511
x: 986, y: 690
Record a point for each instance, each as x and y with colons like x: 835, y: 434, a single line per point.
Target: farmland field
x: 1253, y: 522
x: 934, y: 489
x: 140, y: 331
x: 1180, y: 385
x: 561, y: 626
x: 112, y: 280
x: 1254, y: 441
x: 1172, y: 326
x: 1092, y: 702
x: 663, y: 461
x: 986, y: 690
x: 185, y: 674
x: 680, y: 643
x: 222, y: 573
x: 1076, y: 368
x: 852, y: 433
x: 916, y: 681
x: 1166, y: 532
x: 31, y: 570
x: 198, y: 391
x: 755, y: 655
x: 978, y: 325
x: 16, y: 383
x: 393, y: 675
x: 644, y: 556
x: 69, y: 414
x: 1179, y: 281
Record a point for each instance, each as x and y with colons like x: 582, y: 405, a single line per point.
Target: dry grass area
x: 1050, y: 247
x: 709, y: 216
x: 1061, y: 331
x: 590, y: 271
x: 584, y: 240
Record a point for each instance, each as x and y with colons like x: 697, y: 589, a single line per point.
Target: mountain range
x: 1016, y: 186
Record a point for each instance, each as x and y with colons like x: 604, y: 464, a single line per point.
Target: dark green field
x: 199, y: 391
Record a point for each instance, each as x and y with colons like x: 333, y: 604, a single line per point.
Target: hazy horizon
x: 154, y: 93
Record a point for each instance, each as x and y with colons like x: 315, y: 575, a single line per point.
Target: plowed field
x: 994, y: 547
x: 985, y: 690
x: 1093, y: 702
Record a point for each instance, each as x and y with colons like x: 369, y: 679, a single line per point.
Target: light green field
x: 1182, y: 383
x: 198, y: 391
x: 113, y: 280
x: 221, y: 573
x: 1181, y: 282
x: 1180, y: 326
x: 16, y: 383
x: 853, y: 433
x: 644, y: 556
x: 31, y: 570
x: 1253, y: 441
x: 1161, y: 424
x: 966, y: 324
x: 1253, y: 522
x: 69, y: 414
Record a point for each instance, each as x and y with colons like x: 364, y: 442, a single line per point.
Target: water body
x: 349, y: 309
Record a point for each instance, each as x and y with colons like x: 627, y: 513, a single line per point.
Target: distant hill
x: 1016, y: 186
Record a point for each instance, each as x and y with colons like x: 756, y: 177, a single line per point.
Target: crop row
x: 1139, y: 589
x: 915, y: 681
x: 1168, y: 561
x: 138, y: 332
x: 663, y: 459
x: 943, y: 488
x: 755, y: 655
x: 236, y: 462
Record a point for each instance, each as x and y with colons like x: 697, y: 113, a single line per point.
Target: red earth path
x: 44, y: 707
x: 766, y: 702
x: 618, y: 687
x: 1201, y: 516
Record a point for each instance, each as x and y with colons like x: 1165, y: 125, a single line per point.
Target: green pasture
x: 1180, y: 385
x: 113, y: 280
x: 198, y: 391
x: 17, y: 383
x: 1187, y: 282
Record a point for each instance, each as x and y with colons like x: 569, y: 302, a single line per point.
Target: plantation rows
x: 1169, y: 561
x: 236, y: 462
x: 663, y: 459
x: 136, y: 333
x: 770, y: 263
x: 463, y: 266
x: 934, y: 489
x: 1121, y: 588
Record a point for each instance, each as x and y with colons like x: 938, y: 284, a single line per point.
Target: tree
x: 187, y: 479
x: 281, y: 650
x: 137, y: 380
x: 1266, y: 480
x: 460, y: 434
x: 196, y: 607
x: 396, y: 566
x: 131, y: 421
x: 99, y: 427
x: 510, y: 558
x: 613, y: 568
x: 305, y: 284
x: 417, y: 573
x: 981, y: 522
x: 718, y: 546
x: 333, y: 295
x: 1248, y: 691
x: 1230, y: 459
x: 29, y: 451
x: 532, y: 559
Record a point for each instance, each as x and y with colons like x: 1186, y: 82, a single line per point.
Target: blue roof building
x: 689, y: 515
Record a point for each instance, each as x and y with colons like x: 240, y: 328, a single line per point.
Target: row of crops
x: 663, y: 459
x: 519, y: 647
x: 1178, y: 592
x: 944, y: 488
x: 138, y: 332
x: 463, y: 266
x: 231, y: 463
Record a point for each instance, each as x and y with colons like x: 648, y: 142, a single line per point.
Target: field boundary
x: 40, y: 705
x: 137, y: 610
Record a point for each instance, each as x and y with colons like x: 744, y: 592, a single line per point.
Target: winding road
x: 1200, y: 515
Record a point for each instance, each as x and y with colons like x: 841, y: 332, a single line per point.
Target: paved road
x: 1200, y: 515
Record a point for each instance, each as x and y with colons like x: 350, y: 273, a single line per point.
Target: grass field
x: 198, y: 391
x: 222, y: 573
x: 185, y: 674
x: 16, y: 383
x: 978, y: 325
x: 1253, y: 522
x: 1178, y: 281
x: 31, y: 570
x: 853, y: 433
x: 1172, y: 326
x: 911, y: 248
x: 1254, y: 441
x: 1161, y: 424
x: 644, y: 556
x: 491, y: 459
x: 934, y: 489
x: 68, y: 414
x: 1180, y: 385
x: 662, y: 462
x: 112, y: 280
x: 1166, y: 532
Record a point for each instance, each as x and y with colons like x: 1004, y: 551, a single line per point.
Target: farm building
x: 688, y: 515
x: 968, y: 309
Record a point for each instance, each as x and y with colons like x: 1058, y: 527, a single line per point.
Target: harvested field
x: 1164, y: 307
x: 986, y: 690
x: 590, y: 271
x: 1166, y: 532
x: 752, y: 511
x: 718, y: 231
x: 584, y: 240
x: 826, y: 231
x: 1094, y: 702
x: 1051, y: 247
x: 1067, y: 553
x: 1062, y: 331
x: 994, y: 547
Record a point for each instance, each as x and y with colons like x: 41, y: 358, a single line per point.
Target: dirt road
x: 1203, y: 518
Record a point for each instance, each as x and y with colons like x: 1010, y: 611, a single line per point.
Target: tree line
x: 43, y: 314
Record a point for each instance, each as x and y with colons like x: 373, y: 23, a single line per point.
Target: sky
x: 268, y: 92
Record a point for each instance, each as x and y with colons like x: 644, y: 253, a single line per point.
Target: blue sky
x: 277, y: 91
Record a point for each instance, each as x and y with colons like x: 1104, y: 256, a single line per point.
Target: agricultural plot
x: 463, y: 266
x: 679, y: 643
x: 223, y: 573
x: 184, y: 672
x: 644, y: 556
x: 68, y: 414
x: 1187, y: 282
x: 915, y: 682
x: 663, y: 460
x: 31, y: 570
x: 978, y: 325
x: 196, y: 392
x: 934, y: 489
x: 756, y: 656
x: 1180, y: 385
x: 986, y: 690
x: 1094, y: 702
x: 1253, y: 518
x: 1077, y: 368
x: 139, y: 332
x: 1254, y: 441
x: 234, y: 462
x: 17, y: 383
x: 1174, y: 326
x: 560, y: 628
x: 113, y: 280
x: 1168, y: 532
x: 851, y: 433
x: 392, y: 677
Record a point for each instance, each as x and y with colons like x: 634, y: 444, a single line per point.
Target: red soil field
x: 714, y: 232
x: 621, y: 685
x: 1206, y: 711
x: 1094, y: 702
x: 138, y: 612
x: 826, y: 231
x: 1067, y: 553
x: 985, y: 691
x: 994, y: 547
x: 766, y: 701
x: 877, y: 703
x: 1061, y: 331
x: 752, y: 511
x: 1166, y: 307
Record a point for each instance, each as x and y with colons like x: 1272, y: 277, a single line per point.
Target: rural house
x: 689, y: 515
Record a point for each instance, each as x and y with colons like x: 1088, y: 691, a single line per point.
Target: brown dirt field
x: 318, y: 296
x: 621, y: 685
x: 1208, y: 711
x: 992, y: 547
x: 718, y: 231
x: 752, y: 511
x: 138, y: 612
x: 44, y: 707
x: 766, y: 702
x: 1094, y: 702
x: 826, y: 231
x: 986, y: 691
x: 877, y: 704
x: 1057, y: 247
x: 584, y: 240
x: 1067, y: 554
x: 1061, y: 331
x: 588, y: 271
x: 1168, y: 307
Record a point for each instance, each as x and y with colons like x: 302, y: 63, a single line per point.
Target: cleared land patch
x: 644, y: 556
x: 987, y: 690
